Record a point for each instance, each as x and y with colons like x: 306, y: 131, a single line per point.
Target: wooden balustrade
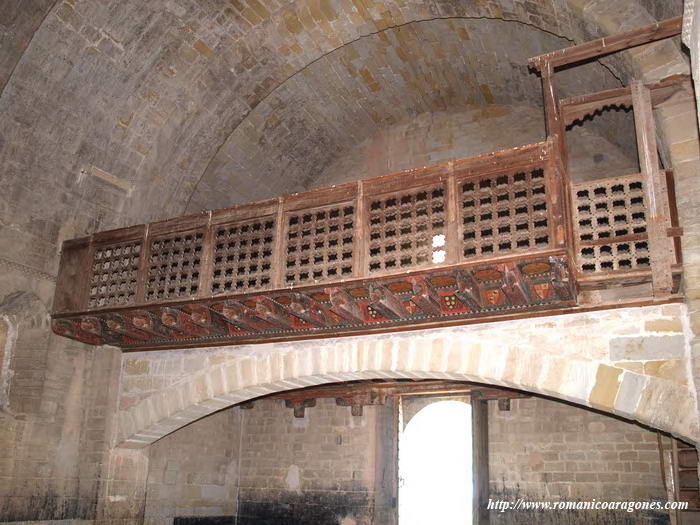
x: 475, y: 237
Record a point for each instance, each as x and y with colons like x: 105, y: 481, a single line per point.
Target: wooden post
x: 655, y: 191
x: 453, y: 243
x: 480, y: 460
x: 207, y: 261
x: 278, y: 255
x: 551, y: 105
x: 361, y: 250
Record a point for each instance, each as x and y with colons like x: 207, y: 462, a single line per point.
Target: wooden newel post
x: 655, y: 192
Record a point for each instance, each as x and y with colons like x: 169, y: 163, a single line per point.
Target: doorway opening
x: 435, y: 463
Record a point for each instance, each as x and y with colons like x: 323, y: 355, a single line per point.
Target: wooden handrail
x: 609, y: 44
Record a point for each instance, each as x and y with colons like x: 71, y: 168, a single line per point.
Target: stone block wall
x: 56, y: 411
x: 433, y: 138
x: 543, y: 450
x: 265, y: 466
x: 319, y: 469
x: 193, y: 473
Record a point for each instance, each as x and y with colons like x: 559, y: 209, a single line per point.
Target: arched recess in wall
x: 22, y: 316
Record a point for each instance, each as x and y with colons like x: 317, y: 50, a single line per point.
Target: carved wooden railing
x: 502, y: 234
x: 471, y: 238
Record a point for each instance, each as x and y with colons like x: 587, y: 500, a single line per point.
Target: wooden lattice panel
x: 407, y: 230
x: 174, y: 266
x: 114, y: 274
x: 504, y: 213
x: 319, y: 244
x: 243, y: 256
x: 611, y: 228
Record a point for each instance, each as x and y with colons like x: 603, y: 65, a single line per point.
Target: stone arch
x: 19, y: 312
x: 576, y: 371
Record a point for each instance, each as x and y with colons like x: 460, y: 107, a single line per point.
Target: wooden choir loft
x: 499, y: 236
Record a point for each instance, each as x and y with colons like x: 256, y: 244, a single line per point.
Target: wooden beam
x: 480, y: 461
x: 655, y: 192
x: 375, y: 393
x: 609, y: 44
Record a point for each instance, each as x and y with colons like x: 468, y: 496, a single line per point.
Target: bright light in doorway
x: 435, y: 466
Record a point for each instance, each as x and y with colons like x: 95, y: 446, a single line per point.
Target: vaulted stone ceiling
x: 374, y: 82
x: 115, y: 112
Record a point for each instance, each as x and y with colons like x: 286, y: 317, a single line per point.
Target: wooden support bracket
x: 425, y: 297
x: 514, y: 286
x: 384, y: 302
x: 469, y: 290
x: 300, y: 406
x: 344, y: 305
x: 272, y: 312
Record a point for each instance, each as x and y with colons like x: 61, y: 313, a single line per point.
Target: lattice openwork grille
x: 320, y: 244
x: 114, y: 274
x: 407, y: 230
x: 610, y: 218
x: 243, y: 256
x: 173, y: 266
x: 504, y: 213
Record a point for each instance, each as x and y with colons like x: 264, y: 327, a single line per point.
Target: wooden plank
x: 500, y: 161
x: 656, y: 193
x: 609, y: 44
x: 255, y: 210
x: 323, y: 197
x: 179, y: 224
x: 120, y: 235
x: 480, y: 460
x: 418, y: 178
